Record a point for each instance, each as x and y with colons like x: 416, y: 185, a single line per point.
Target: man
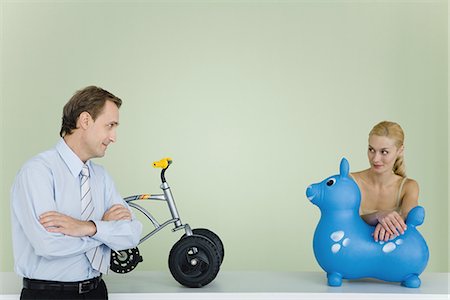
x: 66, y: 212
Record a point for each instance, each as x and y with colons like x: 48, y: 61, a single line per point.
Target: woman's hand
x: 390, y: 224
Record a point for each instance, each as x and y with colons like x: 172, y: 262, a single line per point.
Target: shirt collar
x: 69, y: 157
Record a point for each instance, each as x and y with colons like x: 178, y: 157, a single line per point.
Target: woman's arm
x: 389, y: 224
x: 410, y: 197
x: 370, y: 219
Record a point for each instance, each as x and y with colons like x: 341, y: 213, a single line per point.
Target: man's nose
x: 113, y: 136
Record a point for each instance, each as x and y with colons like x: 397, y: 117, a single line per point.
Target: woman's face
x: 382, y: 153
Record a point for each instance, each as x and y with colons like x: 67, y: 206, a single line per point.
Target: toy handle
x: 163, y: 163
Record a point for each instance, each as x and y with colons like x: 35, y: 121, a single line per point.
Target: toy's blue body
x: 343, y: 243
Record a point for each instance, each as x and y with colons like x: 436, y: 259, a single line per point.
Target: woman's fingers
x: 392, y: 222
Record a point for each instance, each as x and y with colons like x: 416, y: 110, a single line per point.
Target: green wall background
x: 254, y: 100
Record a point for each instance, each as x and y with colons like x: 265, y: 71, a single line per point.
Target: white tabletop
x: 254, y: 285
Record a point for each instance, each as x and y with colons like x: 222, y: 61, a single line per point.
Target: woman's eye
x: 331, y: 181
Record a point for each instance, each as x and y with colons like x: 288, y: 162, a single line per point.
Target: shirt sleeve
x: 117, y: 235
x: 33, y: 194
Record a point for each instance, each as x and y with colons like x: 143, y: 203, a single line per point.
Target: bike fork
x: 173, y: 210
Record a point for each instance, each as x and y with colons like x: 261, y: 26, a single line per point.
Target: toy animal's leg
x: 412, y: 281
x: 334, y: 279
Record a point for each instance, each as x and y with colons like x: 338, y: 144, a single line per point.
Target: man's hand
x: 54, y: 221
x: 117, y: 212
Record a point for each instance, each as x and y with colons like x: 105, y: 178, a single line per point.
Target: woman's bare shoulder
x: 411, y: 185
x: 360, y: 174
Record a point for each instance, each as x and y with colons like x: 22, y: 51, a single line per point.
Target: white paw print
x: 337, y: 237
x: 391, y: 246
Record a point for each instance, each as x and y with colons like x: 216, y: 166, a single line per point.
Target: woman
x: 387, y: 195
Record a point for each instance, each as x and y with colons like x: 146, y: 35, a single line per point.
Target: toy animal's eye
x: 331, y: 182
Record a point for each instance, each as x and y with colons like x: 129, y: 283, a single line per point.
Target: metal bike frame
x: 167, y: 197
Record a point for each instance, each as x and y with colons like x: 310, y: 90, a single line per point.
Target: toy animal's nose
x: 310, y: 193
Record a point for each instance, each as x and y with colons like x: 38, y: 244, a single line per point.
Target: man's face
x: 102, y: 131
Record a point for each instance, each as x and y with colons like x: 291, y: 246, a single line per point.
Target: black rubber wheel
x: 126, y: 261
x: 213, y: 238
x: 194, y: 261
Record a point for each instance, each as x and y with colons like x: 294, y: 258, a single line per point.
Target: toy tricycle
x: 194, y: 260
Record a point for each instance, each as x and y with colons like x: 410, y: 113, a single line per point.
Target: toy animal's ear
x: 344, y: 168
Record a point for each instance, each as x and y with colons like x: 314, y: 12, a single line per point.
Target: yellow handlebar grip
x: 163, y: 163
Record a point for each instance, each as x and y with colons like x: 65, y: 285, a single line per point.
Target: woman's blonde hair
x: 393, y: 131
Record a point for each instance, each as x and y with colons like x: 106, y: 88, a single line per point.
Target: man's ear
x: 84, y: 120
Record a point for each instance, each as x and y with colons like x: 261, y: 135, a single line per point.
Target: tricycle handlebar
x: 163, y: 163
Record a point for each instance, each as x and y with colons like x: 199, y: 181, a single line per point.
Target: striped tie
x: 97, y: 256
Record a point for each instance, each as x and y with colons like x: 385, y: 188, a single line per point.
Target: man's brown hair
x: 91, y: 99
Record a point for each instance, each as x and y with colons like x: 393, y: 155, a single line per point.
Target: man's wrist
x: 92, y: 228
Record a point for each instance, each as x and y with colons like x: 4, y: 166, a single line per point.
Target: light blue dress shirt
x: 50, y: 181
